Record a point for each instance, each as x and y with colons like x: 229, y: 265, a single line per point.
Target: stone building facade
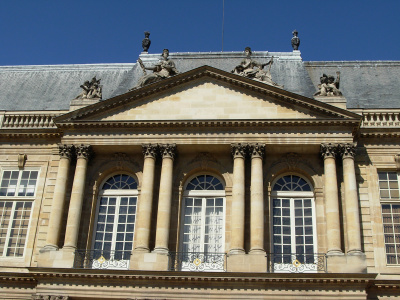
x: 205, y: 184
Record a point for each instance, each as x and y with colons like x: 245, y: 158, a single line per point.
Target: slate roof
x: 365, y: 84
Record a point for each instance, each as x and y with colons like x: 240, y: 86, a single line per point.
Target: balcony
x: 197, y: 261
x: 297, y: 263
x: 101, y: 259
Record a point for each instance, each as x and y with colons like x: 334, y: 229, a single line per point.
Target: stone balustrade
x: 29, y: 120
x: 379, y: 118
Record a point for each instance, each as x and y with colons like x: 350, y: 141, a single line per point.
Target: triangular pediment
x: 206, y: 93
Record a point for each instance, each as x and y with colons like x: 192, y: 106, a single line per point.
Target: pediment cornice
x: 239, y: 82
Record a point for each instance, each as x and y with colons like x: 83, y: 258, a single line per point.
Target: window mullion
x: 292, y: 226
x: 115, y: 225
x: 7, y: 241
x: 203, y: 223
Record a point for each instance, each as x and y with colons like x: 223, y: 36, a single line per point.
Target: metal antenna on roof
x: 223, y: 13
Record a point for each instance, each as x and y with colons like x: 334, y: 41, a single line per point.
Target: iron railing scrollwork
x: 102, y: 259
x: 296, y: 263
x: 197, y: 261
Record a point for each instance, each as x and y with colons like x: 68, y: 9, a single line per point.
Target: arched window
x: 115, y: 223
x: 293, y: 225
x: 203, y: 224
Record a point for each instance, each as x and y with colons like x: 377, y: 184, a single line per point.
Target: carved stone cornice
x: 239, y: 150
x: 329, y: 150
x: 256, y: 150
x: 150, y: 150
x: 48, y: 297
x: 84, y: 151
x: 66, y: 151
x: 168, y: 150
x: 347, y: 150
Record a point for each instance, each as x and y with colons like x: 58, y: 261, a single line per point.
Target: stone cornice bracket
x: 84, y: 151
x: 66, y: 151
x: 150, y: 150
x: 239, y: 150
x: 256, y: 150
x: 397, y: 160
x: 347, y: 150
x: 329, y: 150
x: 21, y: 160
x: 168, y: 150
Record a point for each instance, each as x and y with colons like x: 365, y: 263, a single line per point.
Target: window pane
x: 391, y: 227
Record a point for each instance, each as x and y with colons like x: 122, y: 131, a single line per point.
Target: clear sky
x: 37, y: 32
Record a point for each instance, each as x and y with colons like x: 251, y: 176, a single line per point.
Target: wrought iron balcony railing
x: 197, y: 261
x: 296, y: 263
x: 101, y: 259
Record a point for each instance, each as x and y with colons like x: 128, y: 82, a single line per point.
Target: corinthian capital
x: 65, y: 150
x: 329, y: 150
x: 256, y: 150
x: 347, y: 150
x: 239, y: 150
x: 149, y: 150
x: 168, y: 150
x: 84, y: 151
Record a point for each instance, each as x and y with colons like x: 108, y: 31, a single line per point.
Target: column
x: 256, y: 200
x: 351, y: 199
x: 143, y: 221
x: 164, y: 198
x: 238, y: 192
x: 83, y: 153
x: 57, y: 206
x: 328, y: 153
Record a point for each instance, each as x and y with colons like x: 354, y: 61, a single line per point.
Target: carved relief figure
x: 91, y: 90
x: 164, y: 69
x: 329, y: 86
x: 251, y: 69
x: 295, y: 40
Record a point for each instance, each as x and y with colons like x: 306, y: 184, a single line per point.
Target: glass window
x: 115, y: 224
x: 389, y: 191
x: 293, y: 226
x: 15, y: 212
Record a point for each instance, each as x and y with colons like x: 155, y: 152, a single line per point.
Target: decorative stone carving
x: 48, y: 297
x: 292, y: 160
x: 295, y: 40
x: 21, y: 160
x: 168, y: 150
x: 146, y: 42
x: 329, y: 86
x: 347, y: 150
x: 66, y: 150
x: 164, y: 69
x: 256, y: 150
x: 91, y: 90
x: 329, y: 150
x: 150, y: 150
x: 84, y: 151
x: 239, y: 150
x: 251, y: 69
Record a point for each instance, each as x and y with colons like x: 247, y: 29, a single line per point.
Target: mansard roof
x: 369, y: 84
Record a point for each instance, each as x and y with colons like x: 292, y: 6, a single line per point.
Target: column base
x: 236, y: 251
x: 335, y: 252
x: 346, y: 263
x: 247, y: 263
x: 141, y: 250
x: 257, y: 251
x: 61, y: 258
x: 49, y: 248
x: 161, y: 250
x: 149, y: 261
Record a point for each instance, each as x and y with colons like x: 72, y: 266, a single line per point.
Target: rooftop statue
x: 146, y: 42
x: 164, y: 69
x: 329, y: 86
x: 251, y: 69
x: 295, y: 40
x: 91, y: 90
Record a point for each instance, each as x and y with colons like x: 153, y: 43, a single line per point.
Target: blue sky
x: 74, y: 32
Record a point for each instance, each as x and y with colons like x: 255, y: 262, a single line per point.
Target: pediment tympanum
x: 206, y: 94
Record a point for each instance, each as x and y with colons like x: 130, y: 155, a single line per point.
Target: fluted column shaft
x: 143, y: 222
x: 328, y: 152
x: 238, y: 193
x: 83, y: 153
x: 351, y: 199
x: 256, y: 200
x: 164, y: 199
x: 57, y: 206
